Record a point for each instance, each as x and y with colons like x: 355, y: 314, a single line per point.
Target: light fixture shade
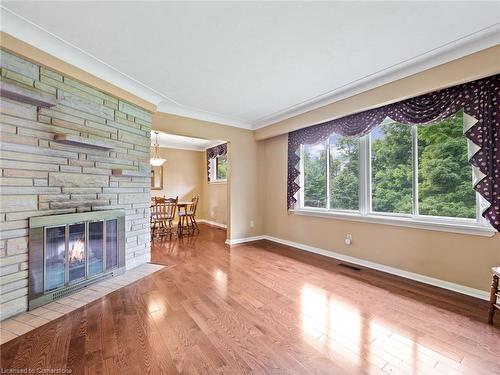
x: 156, y: 162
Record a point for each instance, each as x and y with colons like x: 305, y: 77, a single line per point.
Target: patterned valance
x: 213, y: 152
x: 480, y: 101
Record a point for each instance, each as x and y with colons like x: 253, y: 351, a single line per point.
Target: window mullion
x: 368, y: 159
x: 361, y: 176
x: 364, y: 175
x: 415, y: 212
x: 327, y: 143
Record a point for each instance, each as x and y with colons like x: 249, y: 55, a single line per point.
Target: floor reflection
x: 220, y: 278
x: 339, y: 323
x: 340, y: 329
x: 175, y: 246
x: 358, y: 325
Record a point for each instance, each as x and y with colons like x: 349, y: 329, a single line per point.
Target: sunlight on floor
x: 341, y: 328
x: 220, y: 278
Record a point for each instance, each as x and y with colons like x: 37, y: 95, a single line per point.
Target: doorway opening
x: 193, y: 169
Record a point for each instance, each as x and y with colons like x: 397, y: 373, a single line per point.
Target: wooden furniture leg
x: 180, y: 225
x: 194, y: 224
x: 493, y: 298
x: 170, y: 227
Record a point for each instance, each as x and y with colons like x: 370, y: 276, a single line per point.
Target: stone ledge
x: 26, y: 95
x: 75, y: 140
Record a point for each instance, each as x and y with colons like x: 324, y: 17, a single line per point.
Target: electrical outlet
x: 252, y: 224
x: 348, y: 239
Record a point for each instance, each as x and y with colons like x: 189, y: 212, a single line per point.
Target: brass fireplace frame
x: 37, y: 294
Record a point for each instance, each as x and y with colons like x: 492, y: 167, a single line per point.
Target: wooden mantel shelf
x: 26, y: 95
x: 76, y: 140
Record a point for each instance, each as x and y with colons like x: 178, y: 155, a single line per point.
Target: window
x: 392, y: 168
x: 218, y: 168
x: 344, y: 173
x: 315, y: 172
x: 444, y: 172
x: 333, y: 184
x: 397, y: 172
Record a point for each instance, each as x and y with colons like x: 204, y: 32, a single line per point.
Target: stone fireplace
x: 69, y: 252
x: 67, y: 148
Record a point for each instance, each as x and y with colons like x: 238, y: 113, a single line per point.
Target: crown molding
x: 198, y: 114
x: 27, y: 31
x: 475, y: 42
x: 174, y: 147
x: 213, y: 144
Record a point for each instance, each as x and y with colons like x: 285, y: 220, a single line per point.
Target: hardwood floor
x: 264, y: 308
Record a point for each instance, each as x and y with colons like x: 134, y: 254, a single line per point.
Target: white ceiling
x: 183, y: 143
x: 251, y: 64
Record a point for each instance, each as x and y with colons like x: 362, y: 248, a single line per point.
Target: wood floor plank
x: 263, y: 308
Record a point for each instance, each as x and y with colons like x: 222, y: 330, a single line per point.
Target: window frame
x: 476, y: 226
x: 213, y: 171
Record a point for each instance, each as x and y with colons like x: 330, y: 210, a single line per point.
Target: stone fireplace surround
x: 42, y: 176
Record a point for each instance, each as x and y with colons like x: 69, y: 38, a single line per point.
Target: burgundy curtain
x: 212, y: 153
x: 480, y: 101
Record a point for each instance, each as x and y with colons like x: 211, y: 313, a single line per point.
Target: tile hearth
x: 23, y: 323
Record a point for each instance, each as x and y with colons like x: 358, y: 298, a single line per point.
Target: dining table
x: 183, y: 205
x: 180, y: 205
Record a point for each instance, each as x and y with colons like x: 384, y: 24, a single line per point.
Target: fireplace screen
x: 55, y: 253
x: 76, y: 252
x: 96, y: 247
x: 68, y: 252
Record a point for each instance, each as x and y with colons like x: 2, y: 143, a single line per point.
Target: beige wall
x: 215, y: 203
x: 214, y: 198
x: 461, y: 259
x: 457, y: 258
x: 242, y: 187
x: 185, y: 176
x: 182, y: 174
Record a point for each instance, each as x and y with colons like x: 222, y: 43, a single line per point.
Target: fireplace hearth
x: 68, y: 252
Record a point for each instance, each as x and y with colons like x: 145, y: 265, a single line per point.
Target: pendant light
x: 156, y: 161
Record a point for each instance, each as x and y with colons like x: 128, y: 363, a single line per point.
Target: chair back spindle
x: 194, y: 205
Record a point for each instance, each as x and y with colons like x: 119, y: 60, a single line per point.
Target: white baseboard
x: 214, y: 223
x: 246, y: 239
x: 481, y: 294
x: 137, y: 261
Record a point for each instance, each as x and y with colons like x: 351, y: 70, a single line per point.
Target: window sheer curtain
x: 212, y: 153
x: 480, y: 101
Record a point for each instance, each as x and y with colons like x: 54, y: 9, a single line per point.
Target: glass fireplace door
x: 96, y: 247
x: 76, y: 252
x: 55, y: 250
x: 111, y: 244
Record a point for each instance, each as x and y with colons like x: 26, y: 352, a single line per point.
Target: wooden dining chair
x: 187, y: 218
x: 163, y: 215
x: 154, y: 199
